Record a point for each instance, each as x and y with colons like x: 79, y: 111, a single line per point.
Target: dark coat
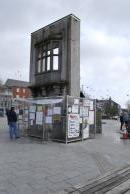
x: 11, y: 116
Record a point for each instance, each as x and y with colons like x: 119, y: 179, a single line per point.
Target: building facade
x: 55, y: 59
x: 109, y: 108
x: 18, y: 88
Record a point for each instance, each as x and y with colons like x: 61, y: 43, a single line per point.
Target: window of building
x: 55, y: 62
x: 43, y: 65
x: 48, y: 64
x: 17, y: 90
x: 24, y: 90
x: 48, y: 57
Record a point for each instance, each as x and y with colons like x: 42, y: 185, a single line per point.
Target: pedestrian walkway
x: 35, y: 168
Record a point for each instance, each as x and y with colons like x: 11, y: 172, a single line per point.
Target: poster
x: 26, y: 119
x: 75, y: 109
x: 39, y: 108
x: 69, y: 109
x: 32, y: 116
x: 31, y: 122
x: 49, y: 112
x: 26, y: 111
x: 73, y: 125
x: 91, y: 117
x: 91, y: 105
x: 39, y: 118
x: 32, y: 108
x: 86, y: 132
x: 76, y: 101
x: 48, y: 120
x: 57, y: 110
x: 56, y: 118
x: 84, y: 111
x: 86, y: 102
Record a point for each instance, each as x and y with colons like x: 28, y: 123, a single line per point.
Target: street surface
x: 30, y: 167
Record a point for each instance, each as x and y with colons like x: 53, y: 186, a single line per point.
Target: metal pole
x: 66, y: 139
x: 95, y: 118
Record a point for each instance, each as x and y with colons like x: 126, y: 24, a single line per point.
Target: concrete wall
x: 67, y: 78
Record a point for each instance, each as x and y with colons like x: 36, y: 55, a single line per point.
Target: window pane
x: 48, y: 52
x: 44, y: 53
x: 43, y: 64
x: 39, y: 54
x: 39, y: 66
x: 56, y: 51
x: 48, y: 63
x: 55, y: 63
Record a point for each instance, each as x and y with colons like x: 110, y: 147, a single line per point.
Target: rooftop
x: 18, y: 83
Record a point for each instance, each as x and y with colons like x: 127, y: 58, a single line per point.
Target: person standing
x: 121, y: 121
x: 12, y: 122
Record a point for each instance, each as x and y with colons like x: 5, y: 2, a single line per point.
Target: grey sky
x: 105, y: 41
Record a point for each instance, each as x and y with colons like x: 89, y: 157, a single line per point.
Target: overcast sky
x: 105, y: 41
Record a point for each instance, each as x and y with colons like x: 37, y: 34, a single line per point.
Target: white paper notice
x: 49, y: 112
x: 39, y: 118
x: 86, y: 102
x: 75, y: 109
x: 48, y: 120
x: 26, y: 111
x: 91, y: 105
x: 73, y: 125
x: 31, y: 123
x: 76, y: 101
x: 32, y: 116
x: 32, y: 108
x: 57, y: 110
x: 86, y: 132
x: 91, y: 117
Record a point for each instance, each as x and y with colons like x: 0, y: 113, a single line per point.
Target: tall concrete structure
x: 55, y: 58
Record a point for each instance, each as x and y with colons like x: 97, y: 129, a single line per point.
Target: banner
x: 73, y: 125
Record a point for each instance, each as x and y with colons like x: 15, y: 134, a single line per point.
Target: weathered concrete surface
x: 31, y: 167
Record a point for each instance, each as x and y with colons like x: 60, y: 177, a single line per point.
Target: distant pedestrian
x: 125, y: 117
x: 121, y: 121
x: 12, y: 122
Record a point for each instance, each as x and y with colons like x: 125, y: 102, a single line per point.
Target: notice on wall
x: 84, y: 111
x: 76, y: 101
x: 26, y: 119
x: 91, y: 118
x: 48, y: 120
x: 26, y: 111
x: 86, y: 132
x: 39, y: 118
x: 69, y: 109
x: 75, y: 109
x: 73, y: 125
x: 39, y: 108
x: 91, y: 105
x: 49, y: 112
x: 31, y: 122
x: 32, y: 108
x: 56, y: 118
x: 32, y: 116
x: 57, y: 110
x: 86, y: 102
x: 17, y: 111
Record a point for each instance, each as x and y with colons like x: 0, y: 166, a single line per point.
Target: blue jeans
x: 13, y: 130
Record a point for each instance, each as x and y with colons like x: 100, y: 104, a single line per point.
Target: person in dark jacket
x: 121, y: 121
x: 12, y: 122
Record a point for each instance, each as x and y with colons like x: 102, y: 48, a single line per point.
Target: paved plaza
x: 30, y: 167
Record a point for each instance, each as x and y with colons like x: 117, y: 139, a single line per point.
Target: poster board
x: 73, y: 125
x: 39, y: 118
x: 91, y: 118
x: 86, y: 132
